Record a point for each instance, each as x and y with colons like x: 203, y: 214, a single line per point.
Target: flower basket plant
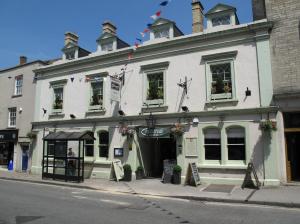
x: 268, y: 125
x: 127, y: 172
x: 177, y: 130
x: 139, y: 173
x: 177, y: 174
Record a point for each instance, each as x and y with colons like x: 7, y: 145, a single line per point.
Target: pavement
x: 282, y: 196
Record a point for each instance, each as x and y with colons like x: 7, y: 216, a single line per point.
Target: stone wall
x: 285, y: 45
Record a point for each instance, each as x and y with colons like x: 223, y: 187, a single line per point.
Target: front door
x: 293, y: 155
x: 25, y: 151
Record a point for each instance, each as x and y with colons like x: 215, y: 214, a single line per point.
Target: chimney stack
x: 71, y: 38
x: 108, y: 27
x: 259, y: 9
x: 198, y: 18
x: 23, y: 60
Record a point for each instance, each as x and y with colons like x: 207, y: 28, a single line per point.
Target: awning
x: 9, y: 135
x: 69, y: 136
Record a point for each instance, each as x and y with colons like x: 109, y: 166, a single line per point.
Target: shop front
x: 157, y: 145
x: 8, y: 138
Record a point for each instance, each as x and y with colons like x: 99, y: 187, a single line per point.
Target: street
x: 34, y: 203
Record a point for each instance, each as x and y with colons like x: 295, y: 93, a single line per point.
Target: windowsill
x: 102, y: 161
x: 56, y: 115
x: 16, y: 96
x: 95, y: 112
x: 154, y: 108
x: 223, y: 101
x: 231, y: 166
x: 12, y: 127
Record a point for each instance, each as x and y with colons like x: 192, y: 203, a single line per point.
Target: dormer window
x: 161, y: 33
x: 70, y: 55
x: 107, y: 46
x: 221, y: 20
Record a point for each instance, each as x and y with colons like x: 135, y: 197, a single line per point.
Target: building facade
x: 198, y: 98
x: 17, y: 97
x: 285, y: 50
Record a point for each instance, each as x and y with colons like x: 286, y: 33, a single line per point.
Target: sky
x: 35, y: 28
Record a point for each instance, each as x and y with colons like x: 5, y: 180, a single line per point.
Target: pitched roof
x: 220, y: 8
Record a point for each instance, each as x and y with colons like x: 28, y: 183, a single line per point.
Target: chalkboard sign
x: 192, y: 177
x: 168, y: 170
x: 248, y: 182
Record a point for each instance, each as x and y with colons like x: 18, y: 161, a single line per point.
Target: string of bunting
x: 139, y: 40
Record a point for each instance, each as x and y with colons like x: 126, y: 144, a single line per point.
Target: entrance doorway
x: 25, y: 157
x: 293, y: 155
x: 154, y: 152
x: 6, y: 153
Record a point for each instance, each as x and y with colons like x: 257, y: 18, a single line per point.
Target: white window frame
x: 100, y: 143
x: 60, y: 84
x: 223, y: 96
x: 12, y: 117
x: 94, y: 78
x: 88, y: 144
x: 18, y: 85
x: 154, y: 101
x: 220, y: 19
x: 224, y: 162
x: 161, y: 33
x: 227, y: 144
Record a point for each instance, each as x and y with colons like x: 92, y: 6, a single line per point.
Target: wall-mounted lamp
x: 150, y: 121
x: 20, y: 110
x: 248, y: 92
x: 185, y: 109
x: 72, y: 116
x: 44, y: 111
x: 195, y: 120
x: 72, y: 79
x: 121, y: 113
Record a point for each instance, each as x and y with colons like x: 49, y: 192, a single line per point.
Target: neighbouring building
x: 17, y: 98
x: 285, y: 51
x: 202, y: 97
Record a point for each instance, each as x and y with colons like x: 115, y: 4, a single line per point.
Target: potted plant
x: 139, y: 173
x: 177, y: 174
x: 57, y: 104
x: 127, y: 172
x: 31, y: 135
x: 177, y: 130
x: 268, y: 125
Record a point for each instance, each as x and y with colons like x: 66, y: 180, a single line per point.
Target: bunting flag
x: 149, y: 25
x: 136, y: 45
x: 130, y: 56
x: 156, y: 15
x: 139, y: 40
x: 142, y: 34
x: 165, y: 3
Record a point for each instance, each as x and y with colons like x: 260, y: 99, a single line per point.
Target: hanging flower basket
x: 177, y: 130
x: 126, y: 131
x: 268, y: 125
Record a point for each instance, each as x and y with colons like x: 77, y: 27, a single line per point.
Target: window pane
x: 155, y: 86
x: 236, y: 144
x: 161, y: 33
x: 97, y: 94
x: 103, y: 138
x: 236, y: 152
x: 89, y: 150
x: 104, y: 151
x: 61, y: 149
x: 103, y: 144
x: 213, y: 152
x: 221, y: 78
x: 221, y: 20
x: 212, y: 144
x: 58, y: 98
x: 50, y: 148
x: 12, y: 116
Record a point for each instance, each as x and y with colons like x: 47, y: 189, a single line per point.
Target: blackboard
x: 168, y: 170
x: 192, y: 177
x: 248, y: 182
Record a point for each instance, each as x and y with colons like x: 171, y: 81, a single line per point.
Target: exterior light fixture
x: 72, y: 116
x: 150, y: 121
x: 44, y: 111
x: 185, y: 109
x: 121, y: 113
x: 248, y: 92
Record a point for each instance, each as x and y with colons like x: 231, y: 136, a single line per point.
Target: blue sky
x: 35, y: 28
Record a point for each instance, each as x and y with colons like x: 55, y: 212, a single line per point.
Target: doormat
x: 219, y: 188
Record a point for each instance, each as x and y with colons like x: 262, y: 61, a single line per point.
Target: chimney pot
x: 71, y: 38
x: 23, y: 60
x: 197, y: 10
x: 109, y: 27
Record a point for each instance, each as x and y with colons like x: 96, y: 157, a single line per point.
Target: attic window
x: 161, y: 33
x: 107, y: 46
x: 221, y: 20
x: 70, y: 55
